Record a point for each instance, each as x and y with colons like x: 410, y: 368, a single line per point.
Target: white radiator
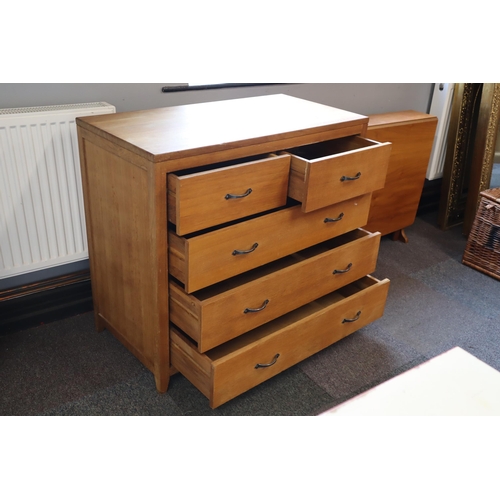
x: 42, y: 221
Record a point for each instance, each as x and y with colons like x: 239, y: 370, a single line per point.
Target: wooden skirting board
x: 44, y: 301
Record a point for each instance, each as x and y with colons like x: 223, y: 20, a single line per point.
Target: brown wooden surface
x: 208, y: 258
x: 198, y: 200
x: 125, y: 160
x: 315, y: 179
x: 412, y: 134
x: 285, y: 284
x: 195, y: 367
x: 44, y: 285
x: 294, y: 336
x: 126, y: 226
x: 195, y: 129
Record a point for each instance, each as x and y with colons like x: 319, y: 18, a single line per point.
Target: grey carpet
x: 434, y: 304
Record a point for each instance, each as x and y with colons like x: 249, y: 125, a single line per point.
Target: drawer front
x: 329, y: 172
x: 259, y: 296
x: 235, y: 367
x: 202, y: 260
x: 204, y: 199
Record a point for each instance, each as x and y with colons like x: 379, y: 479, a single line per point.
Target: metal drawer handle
x: 239, y: 252
x: 264, y: 305
x: 358, y: 314
x: 340, y: 271
x: 233, y: 196
x: 262, y: 365
x: 346, y: 178
x: 327, y: 219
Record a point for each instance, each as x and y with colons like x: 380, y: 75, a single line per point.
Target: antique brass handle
x: 340, y: 271
x: 264, y: 305
x: 346, y: 178
x: 341, y: 215
x: 267, y: 365
x: 239, y: 252
x: 233, y: 196
x: 358, y: 314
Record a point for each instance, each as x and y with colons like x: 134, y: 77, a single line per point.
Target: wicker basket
x: 482, y: 251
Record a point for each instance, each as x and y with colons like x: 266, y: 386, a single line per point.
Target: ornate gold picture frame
x: 470, y: 152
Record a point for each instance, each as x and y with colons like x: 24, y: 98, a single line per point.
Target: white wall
x: 364, y: 98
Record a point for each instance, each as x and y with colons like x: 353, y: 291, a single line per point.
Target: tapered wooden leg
x: 162, y: 368
x: 400, y: 235
x: 162, y: 380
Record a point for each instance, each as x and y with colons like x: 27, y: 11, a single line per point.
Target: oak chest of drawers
x: 224, y: 237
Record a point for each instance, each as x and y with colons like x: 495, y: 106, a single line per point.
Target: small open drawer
x: 328, y: 172
x: 244, y: 362
x: 203, y: 198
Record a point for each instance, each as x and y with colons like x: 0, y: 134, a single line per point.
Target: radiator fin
x: 42, y: 221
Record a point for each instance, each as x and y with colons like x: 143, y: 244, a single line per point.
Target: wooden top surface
x: 397, y: 118
x: 177, y: 131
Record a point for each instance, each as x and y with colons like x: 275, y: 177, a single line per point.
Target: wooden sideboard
x: 411, y: 133
x: 224, y: 237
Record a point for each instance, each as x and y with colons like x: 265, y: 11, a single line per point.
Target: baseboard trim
x: 46, y: 301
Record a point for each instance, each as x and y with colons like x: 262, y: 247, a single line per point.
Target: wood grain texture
x: 126, y: 159
x: 197, y: 369
x: 411, y: 133
x: 294, y: 337
x: 126, y: 215
x: 199, y: 200
x: 180, y: 131
x: 283, y: 285
x: 209, y: 258
x: 316, y: 179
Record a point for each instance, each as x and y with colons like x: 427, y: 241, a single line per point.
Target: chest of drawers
x: 224, y: 238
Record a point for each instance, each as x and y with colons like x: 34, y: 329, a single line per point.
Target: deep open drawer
x: 201, y: 259
x: 246, y: 361
x: 263, y: 294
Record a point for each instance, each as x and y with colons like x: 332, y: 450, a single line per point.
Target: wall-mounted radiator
x: 42, y: 221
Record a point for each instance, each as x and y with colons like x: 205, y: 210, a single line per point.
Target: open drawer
x: 201, y: 259
x: 246, y: 361
x: 329, y: 172
x: 267, y: 292
x: 203, y: 198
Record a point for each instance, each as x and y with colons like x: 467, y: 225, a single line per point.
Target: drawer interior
x: 352, y: 288
x: 331, y: 148
x: 220, y: 165
x: 290, y: 203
